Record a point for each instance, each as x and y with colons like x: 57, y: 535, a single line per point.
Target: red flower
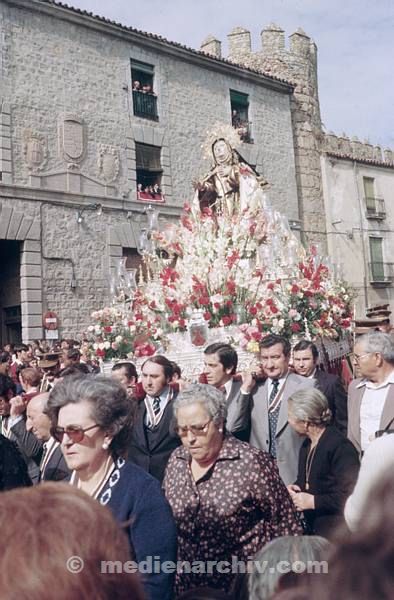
x: 182, y: 323
x: 226, y: 320
x: 274, y: 310
x: 253, y: 310
x: 204, y: 301
x: 232, y: 259
x: 108, y: 329
x: 186, y: 222
x: 295, y: 327
x: 207, y: 212
x: 207, y: 316
x: 230, y: 285
x: 294, y: 289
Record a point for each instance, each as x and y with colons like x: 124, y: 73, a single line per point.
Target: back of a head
x: 361, y: 567
x: 54, y: 539
x: 205, y: 593
x: 294, y: 553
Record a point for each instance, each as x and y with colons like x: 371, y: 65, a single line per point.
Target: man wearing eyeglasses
x: 152, y: 439
x: 371, y: 397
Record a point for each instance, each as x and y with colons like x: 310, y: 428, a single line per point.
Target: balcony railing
x: 145, y: 105
x: 244, y: 129
x: 381, y: 273
x: 375, y: 208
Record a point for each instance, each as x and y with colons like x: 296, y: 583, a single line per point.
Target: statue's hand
x: 197, y: 185
x: 233, y: 183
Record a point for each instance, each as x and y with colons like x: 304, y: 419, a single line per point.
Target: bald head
x: 39, y: 401
x: 37, y: 421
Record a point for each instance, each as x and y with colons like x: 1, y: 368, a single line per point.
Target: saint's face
x: 221, y: 152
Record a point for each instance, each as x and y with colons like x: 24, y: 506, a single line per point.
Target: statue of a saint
x: 231, y: 184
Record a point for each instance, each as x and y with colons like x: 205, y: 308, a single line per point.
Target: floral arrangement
x: 245, y: 269
x: 115, y: 335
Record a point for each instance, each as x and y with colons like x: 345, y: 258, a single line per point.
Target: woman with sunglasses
x: 227, y: 497
x: 91, y: 419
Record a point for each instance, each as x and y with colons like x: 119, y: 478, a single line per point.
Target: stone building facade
x: 358, y: 186
x: 79, y: 141
x: 72, y: 146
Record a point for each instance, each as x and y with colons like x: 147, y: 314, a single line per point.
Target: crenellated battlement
x: 353, y: 148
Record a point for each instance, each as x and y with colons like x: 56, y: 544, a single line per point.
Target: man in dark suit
x: 53, y: 465
x: 220, y: 366
x: 305, y: 359
x: 13, y: 426
x: 270, y: 430
x: 152, y: 439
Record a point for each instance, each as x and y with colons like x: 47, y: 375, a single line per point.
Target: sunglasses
x: 196, y: 430
x: 75, y: 433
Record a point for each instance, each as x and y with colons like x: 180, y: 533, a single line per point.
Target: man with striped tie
x: 270, y: 430
x: 152, y: 438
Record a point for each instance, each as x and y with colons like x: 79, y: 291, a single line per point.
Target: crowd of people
x: 213, y: 489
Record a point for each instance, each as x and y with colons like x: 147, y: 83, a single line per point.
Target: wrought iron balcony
x: 381, y: 273
x: 244, y: 129
x: 145, y: 105
x: 375, y: 208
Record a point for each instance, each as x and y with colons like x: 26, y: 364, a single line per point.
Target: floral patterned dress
x: 238, y: 506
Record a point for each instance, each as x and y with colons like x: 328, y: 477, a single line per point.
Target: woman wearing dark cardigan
x: 328, y: 464
x: 91, y: 417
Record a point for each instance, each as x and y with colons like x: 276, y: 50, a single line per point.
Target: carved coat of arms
x: 72, y: 139
x: 35, y: 149
x: 108, y: 163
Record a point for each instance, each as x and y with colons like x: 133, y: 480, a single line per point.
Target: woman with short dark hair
x: 91, y: 420
x: 227, y: 498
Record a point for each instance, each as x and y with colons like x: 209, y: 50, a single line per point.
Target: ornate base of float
x: 191, y: 358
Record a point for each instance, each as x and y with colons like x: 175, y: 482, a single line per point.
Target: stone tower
x: 298, y: 65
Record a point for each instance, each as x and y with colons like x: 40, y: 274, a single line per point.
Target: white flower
x: 119, y: 339
x: 91, y: 328
x: 97, y: 329
x: 107, y: 345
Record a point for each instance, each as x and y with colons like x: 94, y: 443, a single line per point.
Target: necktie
x: 156, y: 405
x: 273, y: 415
x: 274, y: 391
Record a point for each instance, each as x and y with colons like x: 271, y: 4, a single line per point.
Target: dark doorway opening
x: 10, y: 292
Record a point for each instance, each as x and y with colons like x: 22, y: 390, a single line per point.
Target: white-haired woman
x: 328, y: 463
x: 227, y: 497
x: 91, y: 419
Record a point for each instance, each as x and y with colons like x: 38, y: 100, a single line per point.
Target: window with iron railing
x: 379, y: 270
x: 144, y: 97
x: 376, y: 208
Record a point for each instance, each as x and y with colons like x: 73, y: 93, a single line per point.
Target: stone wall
x: 355, y: 149
x: 66, y: 103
